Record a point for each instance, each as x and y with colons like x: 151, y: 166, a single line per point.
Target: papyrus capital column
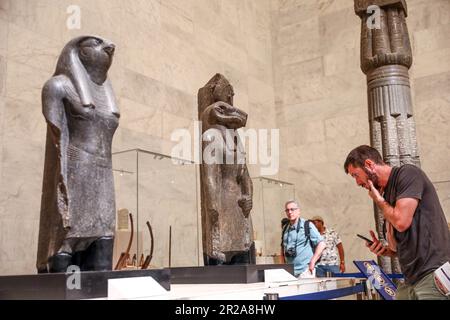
x: 386, y: 58
x: 388, y: 43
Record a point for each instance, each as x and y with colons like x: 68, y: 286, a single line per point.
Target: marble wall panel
x: 3, y: 36
x: 2, y: 76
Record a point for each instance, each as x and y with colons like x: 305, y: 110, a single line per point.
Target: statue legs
x: 245, y: 257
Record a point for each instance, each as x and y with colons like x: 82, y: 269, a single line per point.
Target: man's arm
x: 340, y: 248
x: 318, y: 252
x: 399, y: 216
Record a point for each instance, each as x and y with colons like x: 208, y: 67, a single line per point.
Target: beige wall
x: 321, y: 105
x: 429, y: 22
x: 294, y: 64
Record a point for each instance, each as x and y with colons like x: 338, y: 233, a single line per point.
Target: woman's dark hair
x: 359, y: 155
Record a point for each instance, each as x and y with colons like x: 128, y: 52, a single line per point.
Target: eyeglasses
x: 290, y: 209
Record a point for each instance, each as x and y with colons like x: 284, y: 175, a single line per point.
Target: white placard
x: 272, y: 276
x: 132, y: 288
x: 122, y: 219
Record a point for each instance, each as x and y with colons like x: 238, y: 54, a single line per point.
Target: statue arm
x: 211, y: 191
x: 53, y: 95
x: 246, y: 183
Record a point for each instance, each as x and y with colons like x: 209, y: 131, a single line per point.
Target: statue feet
x: 232, y: 257
x: 98, y: 256
x: 218, y: 258
x: 59, y: 262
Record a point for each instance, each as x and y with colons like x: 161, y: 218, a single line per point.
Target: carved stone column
x: 386, y: 58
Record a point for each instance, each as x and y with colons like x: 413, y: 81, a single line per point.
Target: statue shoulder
x: 56, y: 87
x: 53, y: 94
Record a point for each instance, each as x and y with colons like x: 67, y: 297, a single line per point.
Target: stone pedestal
x: 53, y: 286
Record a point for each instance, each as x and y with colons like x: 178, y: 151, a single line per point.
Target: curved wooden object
x: 124, y: 255
x: 148, y: 259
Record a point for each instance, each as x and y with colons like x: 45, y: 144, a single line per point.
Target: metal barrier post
x: 271, y: 296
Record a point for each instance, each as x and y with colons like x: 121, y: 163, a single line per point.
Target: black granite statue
x: 77, y: 220
x: 226, y: 189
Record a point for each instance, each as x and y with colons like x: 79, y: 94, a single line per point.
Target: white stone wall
x: 429, y: 23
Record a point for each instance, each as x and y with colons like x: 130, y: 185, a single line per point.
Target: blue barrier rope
x: 348, y: 275
x: 360, y: 275
x: 396, y: 276
x: 326, y: 295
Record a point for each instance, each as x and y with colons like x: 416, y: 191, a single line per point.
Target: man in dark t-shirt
x: 416, y: 225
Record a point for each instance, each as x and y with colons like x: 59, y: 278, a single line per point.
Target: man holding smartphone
x: 416, y: 225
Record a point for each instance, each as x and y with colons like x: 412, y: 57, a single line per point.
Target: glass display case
x: 269, y: 197
x: 163, y: 191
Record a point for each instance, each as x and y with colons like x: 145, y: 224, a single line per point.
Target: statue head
x: 96, y: 55
x: 222, y: 90
x: 226, y: 115
x: 217, y: 89
x: 84, y: 60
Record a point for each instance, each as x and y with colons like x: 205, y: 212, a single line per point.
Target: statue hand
x: 246, y: 204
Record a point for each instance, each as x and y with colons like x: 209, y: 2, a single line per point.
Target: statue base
x: 250, y: 273
x: 54, y: 286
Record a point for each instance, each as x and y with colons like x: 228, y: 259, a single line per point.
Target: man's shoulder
x: 407, y: 169
x: 303, y: 221
x: 307, y: 222
x: 409, y: 173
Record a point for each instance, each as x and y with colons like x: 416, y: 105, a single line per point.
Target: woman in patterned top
x: 329, y: 262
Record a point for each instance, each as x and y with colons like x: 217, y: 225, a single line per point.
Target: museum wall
x: 321, y: 105
x: 166, y: 50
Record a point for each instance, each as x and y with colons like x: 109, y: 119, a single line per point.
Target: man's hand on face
x: 374, y: 193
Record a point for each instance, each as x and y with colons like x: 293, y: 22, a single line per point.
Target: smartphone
x: 364, y: 238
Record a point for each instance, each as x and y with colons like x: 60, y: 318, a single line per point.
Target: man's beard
x: 373, y: 177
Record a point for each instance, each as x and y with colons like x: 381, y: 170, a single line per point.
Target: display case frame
x: 269, y: 197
